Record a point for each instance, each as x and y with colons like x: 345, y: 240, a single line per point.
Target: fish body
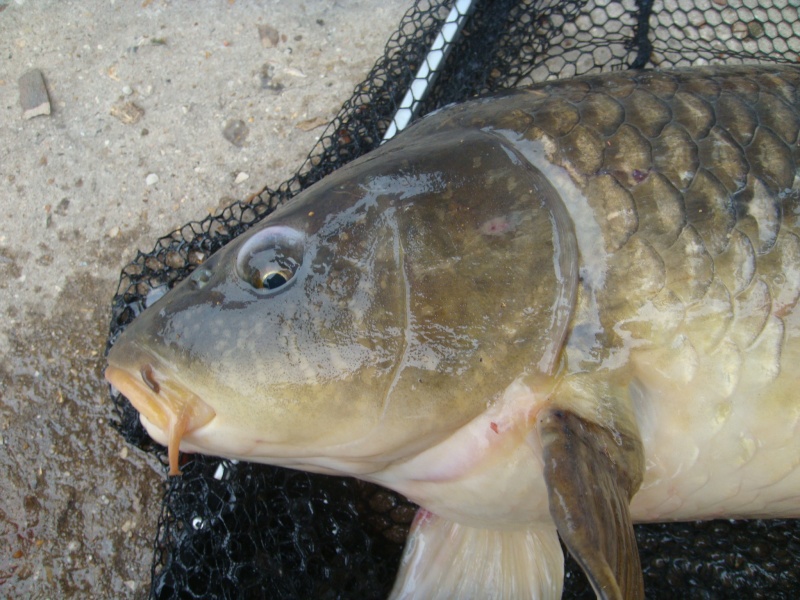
x: 553, y: 312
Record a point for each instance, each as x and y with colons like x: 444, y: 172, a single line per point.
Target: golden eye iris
x: 275, y: 279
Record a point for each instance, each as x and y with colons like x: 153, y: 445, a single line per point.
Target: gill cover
x: 376, y: 313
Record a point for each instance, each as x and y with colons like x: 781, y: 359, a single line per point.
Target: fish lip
x: 128, y: 384
x: 168, y: 409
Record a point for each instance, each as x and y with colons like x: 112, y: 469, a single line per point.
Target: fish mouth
x: 164, y: 405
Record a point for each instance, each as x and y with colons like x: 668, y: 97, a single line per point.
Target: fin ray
x: 592, y: 474
x: 444, y: 559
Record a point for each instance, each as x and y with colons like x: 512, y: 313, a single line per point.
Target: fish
x: 543, y: 315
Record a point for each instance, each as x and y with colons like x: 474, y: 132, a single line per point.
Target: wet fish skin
x: 599, y: 273
x: 697, y: 179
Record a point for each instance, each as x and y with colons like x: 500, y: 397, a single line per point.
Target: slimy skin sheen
x: 550, y: 313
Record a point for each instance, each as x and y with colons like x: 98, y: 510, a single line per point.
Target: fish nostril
x: 149, y: 378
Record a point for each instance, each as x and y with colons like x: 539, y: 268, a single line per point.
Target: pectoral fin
x: 443, y: 559
x: 591, y: 473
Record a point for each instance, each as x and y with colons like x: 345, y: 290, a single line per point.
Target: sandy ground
x: 141, y: 92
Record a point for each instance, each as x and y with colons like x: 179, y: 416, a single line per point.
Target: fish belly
x: 713, y: 451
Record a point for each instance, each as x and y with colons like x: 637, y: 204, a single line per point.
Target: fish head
x: 364, y: 321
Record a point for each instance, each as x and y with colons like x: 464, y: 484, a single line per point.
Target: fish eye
x: 270, y: 259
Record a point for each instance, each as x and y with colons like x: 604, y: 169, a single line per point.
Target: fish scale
x: 730, y: 179
x: 711, y: 149
x: 546, y: 314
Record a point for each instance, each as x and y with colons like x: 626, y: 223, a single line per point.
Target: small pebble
x: 127, y: 112
x: 295, y: 72
x: 241, y: 177
x: 126, y: 90
x: 269, y: 36
x: 235, y: 131
x: 151, y: 179
x: 113, y: 232
x: 174, y: 260
x: 33, y: 94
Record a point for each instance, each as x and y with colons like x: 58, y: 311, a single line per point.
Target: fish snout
x: 168, y: 410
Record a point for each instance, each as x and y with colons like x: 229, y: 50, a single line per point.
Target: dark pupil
x: 274, y: 280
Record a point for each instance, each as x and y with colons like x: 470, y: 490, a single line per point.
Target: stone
x: 33, y: 94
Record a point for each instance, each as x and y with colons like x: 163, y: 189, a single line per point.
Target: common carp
x: 553, y: 312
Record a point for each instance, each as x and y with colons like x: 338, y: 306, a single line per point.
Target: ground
x: 162, y: 111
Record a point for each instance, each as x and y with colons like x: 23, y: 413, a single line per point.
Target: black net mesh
x: 247, y: 531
